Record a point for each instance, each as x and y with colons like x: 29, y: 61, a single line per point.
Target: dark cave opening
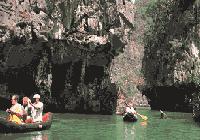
x: 171, y: 98
x: 76, y: 74
x: 65, y: 73
x: 59, y: 72
x: 65, y: 80
x: 93, y: 73
x: 21, y: 81
x: 16, y: 81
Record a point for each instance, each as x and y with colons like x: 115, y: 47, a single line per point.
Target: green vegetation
x: 172, y: 44
x: 171, y: 28
x: 167, y: 20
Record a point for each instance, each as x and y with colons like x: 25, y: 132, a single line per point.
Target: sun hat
x: 36, y: 96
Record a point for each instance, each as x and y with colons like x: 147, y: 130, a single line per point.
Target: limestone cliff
x: 171, y: 58
x: 62, y: 50
x: 126, y: 67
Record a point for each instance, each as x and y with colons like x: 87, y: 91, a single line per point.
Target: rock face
x: 62, y: 50
x: 126, y: 67
x: 171, y: 57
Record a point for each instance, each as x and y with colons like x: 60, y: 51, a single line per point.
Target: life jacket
x: 15, y: 119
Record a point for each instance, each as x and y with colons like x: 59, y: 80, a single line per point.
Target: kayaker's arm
x: 14, y: 113
x: 34, y: 106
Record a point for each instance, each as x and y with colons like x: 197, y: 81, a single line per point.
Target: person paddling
x: 131, y: 110
x: 163, y: 115
x: 16, y: 111
x: 130, y: 114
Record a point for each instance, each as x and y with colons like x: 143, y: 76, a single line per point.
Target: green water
x: 178, y: 126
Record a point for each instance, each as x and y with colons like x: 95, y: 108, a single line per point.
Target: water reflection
x: 129, y: 132
x: 98, y: 127
x: 144, y: 123
x: 134, y: 130
x: 26, y: 136
x: 40, y: 136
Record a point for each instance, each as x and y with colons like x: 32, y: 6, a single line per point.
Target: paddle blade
x: 144, y: 117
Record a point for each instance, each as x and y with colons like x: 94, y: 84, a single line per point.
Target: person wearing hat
x: 38, y: 109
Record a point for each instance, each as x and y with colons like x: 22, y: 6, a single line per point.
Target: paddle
x: 142, y: 116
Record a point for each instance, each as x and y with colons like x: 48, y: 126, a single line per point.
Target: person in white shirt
x: 38, y: 109
x: 130, y: 110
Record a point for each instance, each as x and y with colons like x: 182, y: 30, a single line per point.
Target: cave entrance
x: 171, y: 98
x: 21, y: 81
x: 65, y: 79
x: 64, y: 74
x: 94, y: 74
x: 59, y: 72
